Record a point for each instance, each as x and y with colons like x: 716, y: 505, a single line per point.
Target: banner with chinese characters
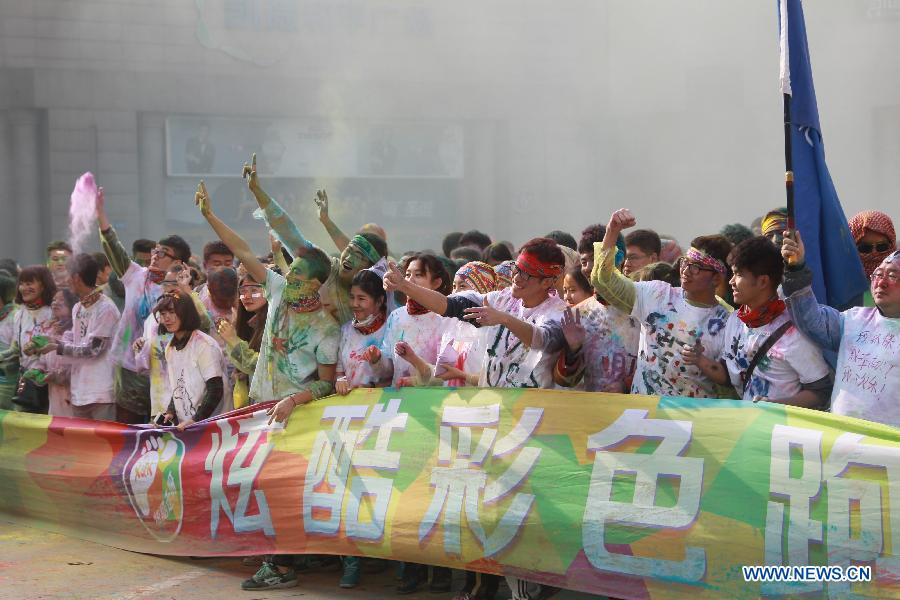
x: 631, y: 496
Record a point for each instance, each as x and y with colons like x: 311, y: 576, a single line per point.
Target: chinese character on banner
x: 460, y: 480
x: 338, y: 449
x: 798, y: 488
x: 643, y: 511
x: 244, y: 452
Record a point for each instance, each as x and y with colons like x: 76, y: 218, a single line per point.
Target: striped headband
x: 775, y: 221
x: 480, y: 275
x: 366, y: 247
x: 534, y: 266
x: 699, y: 256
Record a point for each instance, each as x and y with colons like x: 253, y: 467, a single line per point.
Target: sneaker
x: 350, y: 576
x: 270, y: 578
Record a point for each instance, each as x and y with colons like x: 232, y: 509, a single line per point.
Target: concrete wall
x: 571, y: 109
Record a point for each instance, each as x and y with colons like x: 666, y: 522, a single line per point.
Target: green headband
x: 366, y: 247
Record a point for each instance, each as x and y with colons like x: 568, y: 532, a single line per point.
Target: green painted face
x: 299, y: 283
x: 352, y: 262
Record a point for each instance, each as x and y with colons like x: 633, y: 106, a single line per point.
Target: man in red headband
x: 524, y: 330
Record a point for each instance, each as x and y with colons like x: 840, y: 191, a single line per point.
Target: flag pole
x: 788, y: 162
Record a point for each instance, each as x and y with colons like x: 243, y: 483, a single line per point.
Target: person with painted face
x: 193, y: 362
x: 362, y: 251
x: 791, y: 369
x: 298, y: 351
x: 299, y: 348
x: 32, y: 325
x: 142, y: 290
x: 86, y: 350
x: 671, y: 318
x: 866, y: 339
x: 244, y: 339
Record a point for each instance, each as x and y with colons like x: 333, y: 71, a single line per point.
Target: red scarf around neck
x: 763, y: 315
x: 414, y: 308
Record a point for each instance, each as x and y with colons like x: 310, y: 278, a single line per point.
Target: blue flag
x: 838, y: 276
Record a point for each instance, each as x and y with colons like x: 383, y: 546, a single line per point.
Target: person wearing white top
x: 866, y: 339
x: 193, y: 362
x: 791, y: 369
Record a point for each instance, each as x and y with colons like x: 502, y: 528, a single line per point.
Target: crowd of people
x: 159, y: 336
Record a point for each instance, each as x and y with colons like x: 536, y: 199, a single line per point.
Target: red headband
x: 534, y: 266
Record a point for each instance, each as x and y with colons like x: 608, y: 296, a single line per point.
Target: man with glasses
x: 867, y: 339
x: 642, y: 248
x: 142, y: 290
x: 672, y: 318
x: 526, y: 329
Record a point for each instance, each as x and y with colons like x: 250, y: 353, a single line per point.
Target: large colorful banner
x: 631, y: 496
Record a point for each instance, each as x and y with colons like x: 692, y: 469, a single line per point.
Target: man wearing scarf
x: 362, y: 251
x: 867, y: 377
x: 524, y: 331
x: 142, y: 290
x: 792, y: 371
x: 671, y: 318
x: 875, y: 238
x: 298, y: 354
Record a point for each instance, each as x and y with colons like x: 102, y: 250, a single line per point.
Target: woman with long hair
x: 193, y: 362
x: 244, y: 338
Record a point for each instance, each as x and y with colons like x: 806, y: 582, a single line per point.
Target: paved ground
x: 36, y: 565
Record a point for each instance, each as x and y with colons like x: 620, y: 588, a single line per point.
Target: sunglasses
x: 867, y: 248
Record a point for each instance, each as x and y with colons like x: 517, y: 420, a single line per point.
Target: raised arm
x: 235, y: 243
x: 820, y: 323
x: 274, y: 216
x: 395, y: 281
x: 339, y: 238
x: 607, y: 280
x: 112, y: 247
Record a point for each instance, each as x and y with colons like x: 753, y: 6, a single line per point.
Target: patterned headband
x: 366, y: 247
x: 774, y: 222
x: 481, y: 275
x: 504, y: 273
x: 699, y: 256
x: 532, y: 265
